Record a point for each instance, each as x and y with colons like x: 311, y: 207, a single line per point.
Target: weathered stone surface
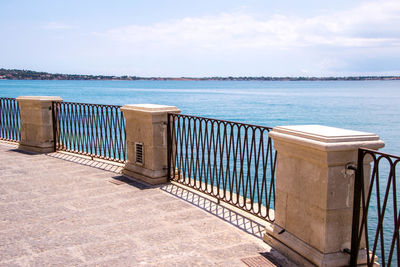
x: 314, y: 191
x: 147, y: 124
x: 37, y: 122
x: 54, y: 212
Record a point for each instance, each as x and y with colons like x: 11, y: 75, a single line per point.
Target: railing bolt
x: 351, y: 166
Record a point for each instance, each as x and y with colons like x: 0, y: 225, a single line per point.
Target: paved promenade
x: 62, y: 210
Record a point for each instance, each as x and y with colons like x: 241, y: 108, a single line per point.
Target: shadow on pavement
x: 229, y: 215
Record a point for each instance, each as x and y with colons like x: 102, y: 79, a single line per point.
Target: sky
x: 184, y: 38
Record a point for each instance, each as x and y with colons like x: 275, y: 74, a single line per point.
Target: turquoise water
x: 371, y: 106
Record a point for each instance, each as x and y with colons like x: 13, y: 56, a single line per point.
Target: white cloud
x: 57, y: 26
x: 373, y: 24
x: 362, y: 40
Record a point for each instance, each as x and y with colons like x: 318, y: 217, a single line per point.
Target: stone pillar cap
x: 326, y: 138
x: 326, y: 134
x: 150, y: 108
x: 39, y: 98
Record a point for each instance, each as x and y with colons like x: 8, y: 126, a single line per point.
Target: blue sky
x: 202, y: 38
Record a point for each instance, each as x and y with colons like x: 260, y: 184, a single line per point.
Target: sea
x: 369, y: 106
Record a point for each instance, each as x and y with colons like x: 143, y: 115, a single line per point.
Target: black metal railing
x: 233, y: 162
x: 376, y: 218
x: 90, y: 129
x: 9, y: 119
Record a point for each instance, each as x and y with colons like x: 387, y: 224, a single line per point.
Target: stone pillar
x: 37, y: 123
x: 146, y: 141
x: 314, y: 191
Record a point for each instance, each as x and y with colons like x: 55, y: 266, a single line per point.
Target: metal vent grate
x: 139, y: 153
x: 259, y: 261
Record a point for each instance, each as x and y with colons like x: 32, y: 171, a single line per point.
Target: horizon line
x: 4, y: 72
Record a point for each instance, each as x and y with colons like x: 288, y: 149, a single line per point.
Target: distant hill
x: 14, y: 74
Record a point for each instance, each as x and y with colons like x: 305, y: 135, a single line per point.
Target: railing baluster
x: 9, y: 120
x: 369, y: 197
x: 94, y: 130
x: 224, y: 159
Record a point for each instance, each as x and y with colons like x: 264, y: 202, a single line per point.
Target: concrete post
x: 146, y: 141
x: 37, y: 123
x: 314, y: 192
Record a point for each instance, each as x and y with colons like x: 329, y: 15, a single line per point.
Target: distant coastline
x: 14, y: 74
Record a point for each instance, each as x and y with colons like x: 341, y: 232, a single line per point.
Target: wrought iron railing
x: 9, y: 119
x: 376, y: 214
x: 90, y: 129
x: 233, y: 162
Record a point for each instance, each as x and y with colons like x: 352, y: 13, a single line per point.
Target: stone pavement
x: 62, y: 210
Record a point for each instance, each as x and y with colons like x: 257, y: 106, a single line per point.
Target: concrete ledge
x: 145, y: 171
x: 36, y: 148
x: 305, y: 255
x: 301, y: 252
x: 144, y: 178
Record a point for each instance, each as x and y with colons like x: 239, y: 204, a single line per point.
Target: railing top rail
x: 89, y: 104
x: 7, y: 98
x: 372, y: 151
x: 219, y: 120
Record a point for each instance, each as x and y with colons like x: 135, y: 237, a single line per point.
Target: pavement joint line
x: 229, y: 237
